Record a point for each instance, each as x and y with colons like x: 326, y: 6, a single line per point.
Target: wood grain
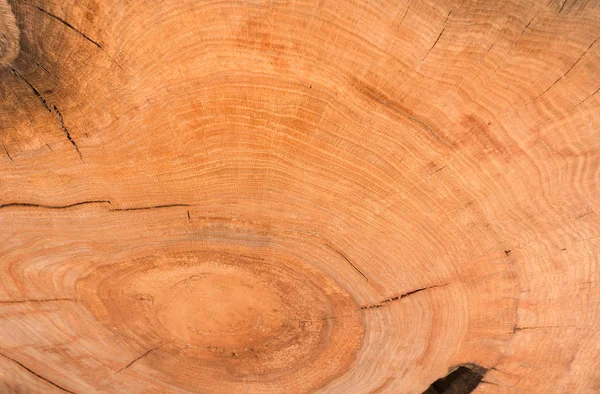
x: 300, y: 196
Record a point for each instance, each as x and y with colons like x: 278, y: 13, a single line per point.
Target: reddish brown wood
x: 300, y: 196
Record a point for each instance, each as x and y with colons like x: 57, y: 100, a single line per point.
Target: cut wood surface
x: 330, y: 196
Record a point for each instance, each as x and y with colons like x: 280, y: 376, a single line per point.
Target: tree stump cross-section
x: 299, y: 196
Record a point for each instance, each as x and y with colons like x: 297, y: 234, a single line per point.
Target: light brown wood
x: 300, y: 196
x: 9, y: 35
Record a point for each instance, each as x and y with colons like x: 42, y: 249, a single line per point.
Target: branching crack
x: 347, y: 260
x: 52, y: 109
x: 399, y: 297
x: 36, y: 374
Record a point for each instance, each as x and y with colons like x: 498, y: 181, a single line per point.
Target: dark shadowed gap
x: 462, y: 380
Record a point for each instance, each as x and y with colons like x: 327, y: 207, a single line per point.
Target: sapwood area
x: 299, y: 196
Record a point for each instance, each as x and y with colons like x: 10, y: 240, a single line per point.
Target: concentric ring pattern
x: 300, y: 196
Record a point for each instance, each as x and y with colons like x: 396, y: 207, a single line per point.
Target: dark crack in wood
x: 398, y: 297
x: 588, y: 97
x: 31, y: 205
x: 568, y: 71
x: 347, y: 260
x: 518, y: 38
x: 517, y: 328
x: 36, y: 300
x: 36, y: 374
x: 439, y: 36
x: 150, y: 207
x: 82, y: 34
x: 53, y: 110
x: 584, y: 215
x: 64, y: 22
x: 438, y: 170
x: 562, y: 6
x: 137, y: 359
x: 8, y: 154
